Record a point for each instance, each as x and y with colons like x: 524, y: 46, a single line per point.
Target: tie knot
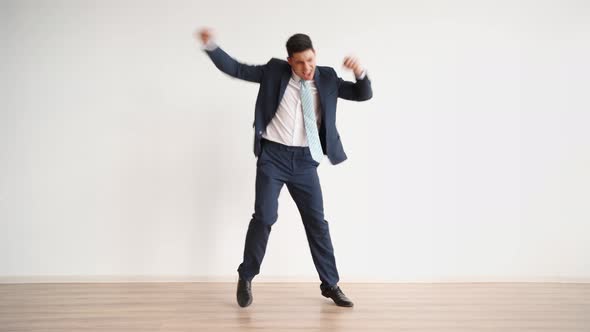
x: 303, y: 83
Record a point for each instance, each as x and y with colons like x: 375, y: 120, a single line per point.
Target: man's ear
x: 289, y: 60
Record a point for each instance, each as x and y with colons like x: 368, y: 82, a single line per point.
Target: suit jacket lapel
x: 318, y: 85
x: 284, y: 81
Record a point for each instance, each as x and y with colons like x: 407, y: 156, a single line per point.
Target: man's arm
x: 361, y: 89
x: 227, y: 64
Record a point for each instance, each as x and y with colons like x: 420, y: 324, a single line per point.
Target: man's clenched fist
x: 204, y: 35
x: 353, y: 64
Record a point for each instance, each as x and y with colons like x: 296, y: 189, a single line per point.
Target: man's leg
x: 304, y: 187
x: 269, y: 182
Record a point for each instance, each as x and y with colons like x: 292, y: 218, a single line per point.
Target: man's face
x: 303, y: 63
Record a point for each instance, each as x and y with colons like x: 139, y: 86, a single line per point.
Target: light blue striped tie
x: 311, y: 126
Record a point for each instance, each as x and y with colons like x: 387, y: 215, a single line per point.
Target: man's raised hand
x: 204, y: 35
x: 353, y: 64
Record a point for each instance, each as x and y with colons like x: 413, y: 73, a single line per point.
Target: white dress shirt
x: 287, y: 126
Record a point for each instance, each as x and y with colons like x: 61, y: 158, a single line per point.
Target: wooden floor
x: 440, y: 307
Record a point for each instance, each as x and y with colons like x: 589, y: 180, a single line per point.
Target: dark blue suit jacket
x: 273, y: 78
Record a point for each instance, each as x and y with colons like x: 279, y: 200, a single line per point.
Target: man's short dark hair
x: 298, y: 43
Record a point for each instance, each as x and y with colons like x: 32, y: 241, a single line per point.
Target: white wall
x: 124, y: 152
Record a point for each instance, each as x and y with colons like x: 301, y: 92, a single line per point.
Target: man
x: 295, y: 126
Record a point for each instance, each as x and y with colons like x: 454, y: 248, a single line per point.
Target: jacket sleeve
x: 228, y: 65
x: 359, y: 91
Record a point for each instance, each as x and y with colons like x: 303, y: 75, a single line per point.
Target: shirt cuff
x: 362, y: 75
x: 210, y: 46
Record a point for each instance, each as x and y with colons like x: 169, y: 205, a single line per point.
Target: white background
x: 125, y: 153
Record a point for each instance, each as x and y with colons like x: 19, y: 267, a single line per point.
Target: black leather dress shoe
x: 336, y: 294
x: 244, y: 293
